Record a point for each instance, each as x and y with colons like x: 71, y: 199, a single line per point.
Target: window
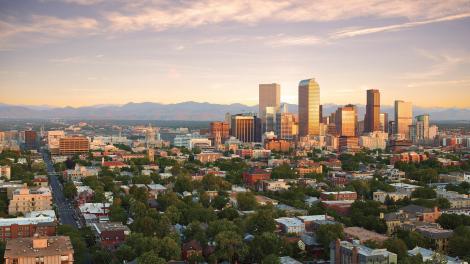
x: 14, y: 261
x: 39, y: 260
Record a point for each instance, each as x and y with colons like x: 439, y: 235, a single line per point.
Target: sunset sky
x: 87, y: 52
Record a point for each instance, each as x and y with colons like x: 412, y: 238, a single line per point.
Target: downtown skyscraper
x: 269, y: 105
x: 372, y: 118
x: 403, y: 118
x: 309, y: 108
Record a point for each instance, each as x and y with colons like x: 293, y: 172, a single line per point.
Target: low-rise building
x: 20, y: 227
x: 5, y: 172
x: 110, y: 235
x: 252, y: 176
x: 364, y: 235
x: 345, y: 252
x: 291, y: 225
x: 439, y: 237
x: 428, y: 255
x: 25, y: 200
x: 337, y: 196
x: 39, y: 249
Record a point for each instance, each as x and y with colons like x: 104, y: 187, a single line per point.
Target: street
x: 67, y: 214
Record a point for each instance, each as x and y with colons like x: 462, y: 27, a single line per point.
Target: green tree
x: 283, y: 171
x: 150, y: 258
x: 459, y: 243
x: 260, y: 222
x: 246, y: 201
x: 70, y: 191
x: 328, y: 233
x: 424, y: 193
x: 117, y: 214
x: 230, y: 247
x: 396, y: 246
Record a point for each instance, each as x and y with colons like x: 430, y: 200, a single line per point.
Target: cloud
x: 45, y: 29
x: 165, y: 14
x: 441, y: 63
x: 304, y: 40
x: 353, y: 32
x: 77, y: 2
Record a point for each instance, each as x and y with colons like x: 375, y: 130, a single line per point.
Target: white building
x: 5, y: 172
x: 291, y: 225
x: 374, y: 140
x: 191, y: 140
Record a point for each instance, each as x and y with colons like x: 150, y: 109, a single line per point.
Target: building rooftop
x: 26, y: 220
x: 289, y: 221
x: 364, y: 234
x: 23, y: 247
x: 110, y: 226
x: 308, y: 218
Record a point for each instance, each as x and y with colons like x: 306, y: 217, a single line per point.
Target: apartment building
x: 26, y: 200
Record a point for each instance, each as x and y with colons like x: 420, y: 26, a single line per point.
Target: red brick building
x: 338, y: 196
x: 252, y: 176
x: 11, y: 228
x: 110, y: 235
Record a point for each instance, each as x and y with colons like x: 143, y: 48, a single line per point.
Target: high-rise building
x: 219, y: 131
x: 422, y: 128
x: 269, y: 123
x: 53, y: 138
x: 30, y: 139
x: 309, y: 108
x: 269, y: 96
x: 384, y: 122
x: 246, y: 127
x: 403, y: 118
x: 321, y: 113
x: 286, y: 126
x: 73, y: 145
x: 346, y: 121
x: 372, y: 119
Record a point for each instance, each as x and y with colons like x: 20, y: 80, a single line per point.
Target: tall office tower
x: 422, y: 128
x: 228, y: 119
x: 219, y: 131
x: 269, y: 96
x: 309, y: 108
x: 246, y: 127
x: 346, y: 121
x: 30, y: 139
x: 403, y: 118
x: 372, y: 119
x: 391, y: 128
x: 286, y: 126
x: 269, y: 123
x: 321, y: 113
x: 384, y: 122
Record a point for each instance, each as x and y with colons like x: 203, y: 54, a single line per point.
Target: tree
x: 150, y: 258
x: 125, y: 252
x: 459, y: 243
x: 452, y: 221
x: 263, y: 246
x: 260, y: 222
x: 218, y: 226
x: 117, y: 214
x: 424, y: 193
x: 230, y: 246
x: 169, y: 249
x: 246, y: 201
x: 283, y: 171
x: 396, y: 246
x: 70, y: 191
x: 328, y: 233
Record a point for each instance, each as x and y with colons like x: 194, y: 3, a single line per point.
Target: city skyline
x: 91, y: 52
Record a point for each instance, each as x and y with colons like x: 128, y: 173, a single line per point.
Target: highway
x: 67, y: 214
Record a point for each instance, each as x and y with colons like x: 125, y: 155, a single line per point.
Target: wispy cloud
x: 354, y: 32
x: 439, y: 64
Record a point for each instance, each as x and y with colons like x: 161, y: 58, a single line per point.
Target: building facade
x: 309, y: 108
x: 73, y: 145
x: 403, y: 118
x: 372, y: 119
x: 269, y: 97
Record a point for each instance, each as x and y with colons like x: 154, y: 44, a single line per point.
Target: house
x: 191, y: 248
x: 423, y: 214
x: 337, y: 196
x: 309, y: 220
x: 273, y: 185
x: 94, y: 212
x: 427, y: 255
x: 110, y: 235
x: 252, y: 176
x: 309, y: 244
x: 290, y: 225
x: 439, y: 237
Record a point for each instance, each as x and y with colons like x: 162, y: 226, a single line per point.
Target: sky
x: 89, y: 52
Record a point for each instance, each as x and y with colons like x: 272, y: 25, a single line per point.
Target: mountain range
x: 187, y: 111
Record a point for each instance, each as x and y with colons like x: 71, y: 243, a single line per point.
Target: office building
x: 73, y: 145
x: 30, y: 139
x: 309, y: 108
x: 191, y: 141
x: 269, y: 96
x: 39, y: 249
x: 219, y: 131
x: 384, y: 122
x: 53, y: 139
x: 246, y: 127
x: 346, y: 121
x: 286, y: 126
x: 269, y: 119
x: 403, y: 118
x: 422, y: 128
x: 372, y: 119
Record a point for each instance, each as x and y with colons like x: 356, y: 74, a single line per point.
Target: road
x: 67, y: 214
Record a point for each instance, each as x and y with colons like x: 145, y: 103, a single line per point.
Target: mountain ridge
x: 189, y: 110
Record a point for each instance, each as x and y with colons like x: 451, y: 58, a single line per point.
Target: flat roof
x: 57, y: 245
